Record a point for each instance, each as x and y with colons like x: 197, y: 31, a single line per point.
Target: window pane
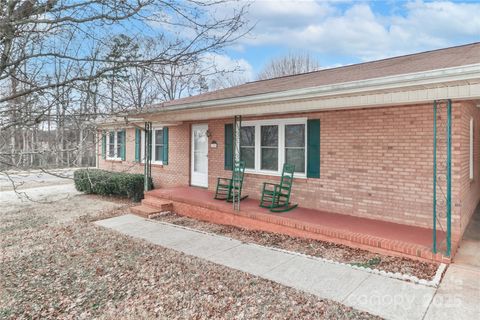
x: 269, y: 136
x: 247, y: 136
x: 297, y: 158
x: 119, y: 151
x: 119, y: 143
x: 295, y: 135
x: 200, y: 164
x: 248, y: 155
x: 120, y: 136
x: 111, y: 150
x: 200, y: 141
x: 158, y: 153
x: 158, y: 137
x: 269, y: 159
x: 111, y: 144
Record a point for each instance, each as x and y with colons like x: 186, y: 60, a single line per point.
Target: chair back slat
x: 233, y: 186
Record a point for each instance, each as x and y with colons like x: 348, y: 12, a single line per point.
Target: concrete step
x: 162, y: 205
x: 144, y: 210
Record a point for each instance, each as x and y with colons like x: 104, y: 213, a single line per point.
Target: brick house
x: 361, y: 137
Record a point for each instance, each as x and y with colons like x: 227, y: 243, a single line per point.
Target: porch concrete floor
x: 385, y: 297
x: 414, y: 238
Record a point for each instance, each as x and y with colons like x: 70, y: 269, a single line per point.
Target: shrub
x: 103, y: 182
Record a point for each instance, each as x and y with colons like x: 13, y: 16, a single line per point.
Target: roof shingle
x: 418, y: 62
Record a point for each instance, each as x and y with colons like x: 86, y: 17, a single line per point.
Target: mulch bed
x: 76, y: 270
x: 316, y: 248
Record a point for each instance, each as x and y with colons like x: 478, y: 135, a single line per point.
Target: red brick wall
x: 176, y: 173
x: 375, y: 163
x: 466, y: 191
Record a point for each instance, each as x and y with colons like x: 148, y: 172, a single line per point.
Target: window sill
x: 273, y: 174
x: 154, y: 164
x: 113, y: 159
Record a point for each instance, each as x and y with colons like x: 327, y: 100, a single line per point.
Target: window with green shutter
x: 165, y: 146
x: 113, y: 145
x: 313, y: 148
x: 138, y: 144
x: 121, y: 141
x: 228, y: 146
x: 158, y: 148
x: 104, y: 144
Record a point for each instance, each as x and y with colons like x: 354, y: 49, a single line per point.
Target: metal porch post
x: 442, y: 173
x: 237, y: 124
x: 449, y: 176
x: 434, y: 177
x: 147, y: 170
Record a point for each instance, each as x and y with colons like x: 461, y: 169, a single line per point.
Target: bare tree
x: 293, y: 63
x: 64, y: 63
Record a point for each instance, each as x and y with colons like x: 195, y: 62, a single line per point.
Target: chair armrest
x: 270, y: 184
x: 273, y: 186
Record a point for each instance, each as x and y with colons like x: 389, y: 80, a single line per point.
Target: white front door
x: 199, y: 155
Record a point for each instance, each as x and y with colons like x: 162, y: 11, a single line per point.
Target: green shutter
x: 122, y: 150
x: 165, y: 146
x: 138, y: 135
x: 228, y: 146
x: 104, y: 144
x: 313, y: 148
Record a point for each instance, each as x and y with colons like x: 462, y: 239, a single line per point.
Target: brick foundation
x: 256, y: 219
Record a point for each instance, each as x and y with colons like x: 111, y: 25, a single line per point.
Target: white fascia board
x: 454, y: 91
x: 397, y: 82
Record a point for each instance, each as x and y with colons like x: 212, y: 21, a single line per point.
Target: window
x: 119, y: 141
x: 247, y: 146
x: 295, y: 146
x: 269, y: 148
x: 471, y: 149
x: 265, y: 145
x: 111, y: 144
x: 157, y: 146
x: 115, y: 144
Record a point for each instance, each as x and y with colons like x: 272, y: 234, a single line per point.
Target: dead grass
x: 61, y: 266
x: 317, y: 248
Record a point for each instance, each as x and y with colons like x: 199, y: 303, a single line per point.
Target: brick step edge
x: 163, y: 205
x: 145, y: 211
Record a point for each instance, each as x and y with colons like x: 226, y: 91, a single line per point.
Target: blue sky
x: 341, y: 32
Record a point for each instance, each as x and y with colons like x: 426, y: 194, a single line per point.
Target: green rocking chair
x: 276, y: 197
x: 226, y: 187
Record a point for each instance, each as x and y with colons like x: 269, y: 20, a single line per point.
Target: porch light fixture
x: 208, y: 133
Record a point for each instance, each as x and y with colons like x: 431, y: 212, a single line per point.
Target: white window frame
x: 471, y: 150
x: 281, y: 144
x: 116, y: 157
x: 142, y: 147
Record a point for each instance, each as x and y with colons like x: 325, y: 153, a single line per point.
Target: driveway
x: 22, y: 180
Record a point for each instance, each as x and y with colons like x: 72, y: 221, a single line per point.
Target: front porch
x: 373, y: 235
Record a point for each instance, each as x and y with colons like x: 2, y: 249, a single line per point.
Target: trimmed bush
x: 105, y: 183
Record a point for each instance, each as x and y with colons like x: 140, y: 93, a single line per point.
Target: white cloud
x: 353, y: 29
x: 227, y: 71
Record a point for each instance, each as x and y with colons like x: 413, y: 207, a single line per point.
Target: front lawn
x: 55, y: 267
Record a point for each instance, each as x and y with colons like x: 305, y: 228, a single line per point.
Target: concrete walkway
x: 385, y: 297
x: 458, y: 296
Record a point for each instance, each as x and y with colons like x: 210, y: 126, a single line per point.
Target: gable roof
x: 425, y: 61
